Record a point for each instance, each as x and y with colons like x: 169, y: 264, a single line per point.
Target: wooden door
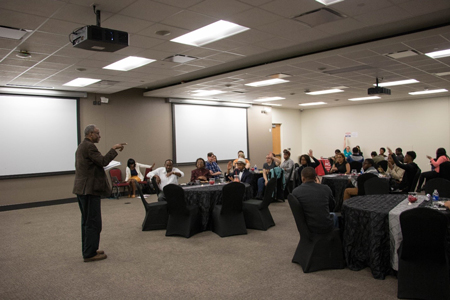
x: 276, y: 138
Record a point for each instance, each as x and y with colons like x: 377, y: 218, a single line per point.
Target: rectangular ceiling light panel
x: 262, y: 99
x: 129, y: 63
x: 438, y: 54
x: 329, y: 2
x: 210, y: 33
x: 200, y: 93
x: 312, y: 103
x: 429, y: 92
x: 400, y: 82
x: 267, y: 82
x: 364, y: 98
x: 80, y: 82
x: 332, y: 91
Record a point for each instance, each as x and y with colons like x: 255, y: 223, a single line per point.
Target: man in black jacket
x: 244, y: 175
x: 410, y: 168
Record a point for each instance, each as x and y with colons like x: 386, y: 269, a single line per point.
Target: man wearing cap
x: 212, y: 166
x: 244, y: 175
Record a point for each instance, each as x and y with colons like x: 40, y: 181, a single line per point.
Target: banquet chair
x: 423, y: 264
x: 412, y: 187
x: 439, y: 184
x: 278, y: 173
x: 376, y: 186
x: 324, y: 169
x: 183, y: 220
x: 155, y: 185
x: 147, y: 170
x: 361, y: 180
x: 356, y: 165
x: 155, y: 213
x: 297, y: 179
x: 444, y: 170
x: 256, y: 212
x: 116, y: 180
x: 228, y: 218
x: 289, y: 185
x: 315, y: 252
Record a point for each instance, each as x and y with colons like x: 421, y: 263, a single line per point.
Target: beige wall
x: 146, y: 125
x: 291, y: 129
x: 420, y: 125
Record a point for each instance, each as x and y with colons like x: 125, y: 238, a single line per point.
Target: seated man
x: 410, y: 168
x: 368, y: 168
x: 241, y: 155
x: 377, y: 158
x: 244, y: 174
x: 212, y: 166
x: 399, y: 154
x: 317, y: 202
x: 164, y: 176
x: 355, y: 156
x: 262, y: 182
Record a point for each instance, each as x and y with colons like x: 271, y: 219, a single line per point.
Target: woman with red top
x: 200, y: 173
x: 441, y: 156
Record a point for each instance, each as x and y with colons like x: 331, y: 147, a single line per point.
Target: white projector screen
x: 201, y: 129
x: 39, y: 135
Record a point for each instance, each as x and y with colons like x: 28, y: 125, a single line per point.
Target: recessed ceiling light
x: 332, y: 91
x: 442, y: 74
x: 399, y: 82
x: 267, y: 82
x: 207, y: 92
x: 438, y: 54
x: 81, y: 82
x: 30, y: 86
x: 312, y: 103
x: 364, y: 98
x: 428, y: 92
x: 271, y: 104
x: 129, y: 63
x: 210, y: 33
x: 262, y: 99
x: 329, y: 2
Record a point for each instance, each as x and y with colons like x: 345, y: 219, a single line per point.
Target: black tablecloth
x: 337, y: 185
x: 206, y: 196
x: 366, y: 232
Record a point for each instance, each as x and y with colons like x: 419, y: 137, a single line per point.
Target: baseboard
x: 37, y: 204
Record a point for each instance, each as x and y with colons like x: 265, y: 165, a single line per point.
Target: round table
x: 337, y: 184
x: 206, y: 196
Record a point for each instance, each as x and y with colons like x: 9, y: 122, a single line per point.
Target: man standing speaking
x: 90, y: 185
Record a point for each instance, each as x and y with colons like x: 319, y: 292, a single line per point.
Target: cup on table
x: 412, y: 197
x: 197, y: 181
x: 222, y: 180
x: 212, y: 180
x: 354, y: 172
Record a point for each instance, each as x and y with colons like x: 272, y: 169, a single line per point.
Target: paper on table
x: 112, y: 164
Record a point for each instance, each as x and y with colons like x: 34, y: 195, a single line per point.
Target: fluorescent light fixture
x: 200, y: 93
x: 364, y: 98
x: 442, y: 74
x: 21, y: 91
x: 312, y: 103
x: 268, y: 99
x: 30, y: 86
x: 329, y: 2
x: 271, y: 104
x: 213, y: 103
x: 267, y: 82
x: 429, y: 92
x: 81, y: 82
x: 438, y: 54
x: 332, y: 91
x: 129, y: 63
x: 210, y: 33
x: 400, y: 82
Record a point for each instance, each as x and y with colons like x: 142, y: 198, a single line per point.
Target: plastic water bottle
x: 435, y: 195
x: 256, y: 168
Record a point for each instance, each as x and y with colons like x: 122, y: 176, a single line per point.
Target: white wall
x: 420, y: 125
x: 291, y: 130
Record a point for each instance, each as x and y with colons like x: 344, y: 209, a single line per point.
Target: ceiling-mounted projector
x: 378, y: 90
x: 96, y: 38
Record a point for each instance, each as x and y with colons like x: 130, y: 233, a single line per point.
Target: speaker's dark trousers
x: 91, y: 224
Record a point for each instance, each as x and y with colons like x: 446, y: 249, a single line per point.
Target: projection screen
x: 199, y: 129
x: 39, y: 135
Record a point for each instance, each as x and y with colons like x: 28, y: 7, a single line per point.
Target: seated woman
x: 441, y: 156
x: 133, y: 173
x: 341, y: 165
x: 305, y: 161
x: 201, y: 173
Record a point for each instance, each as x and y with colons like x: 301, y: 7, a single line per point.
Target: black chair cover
x: 228, y: 218
x: 439, y: 184
x: 383, y: 164
x: 412, y: 187
x: 361, y: 180
x: 315, y: 252
x: 376, y: 186
x: 256, y: 212
x: 444, y: 170
x: 356, y: 165
x: 423, y: 266
x: 156, y: 215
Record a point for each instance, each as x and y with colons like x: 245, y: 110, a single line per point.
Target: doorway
x: 276, y: 139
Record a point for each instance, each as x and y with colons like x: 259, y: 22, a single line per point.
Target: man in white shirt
x: 164, y: 176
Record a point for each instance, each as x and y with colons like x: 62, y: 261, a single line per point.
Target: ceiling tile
x: 79, y: 14
x: 125, y: 23
x: 59, y: 27
x: 112, y: 6
x: 48, y: 39
x: 149, y: 10
x: 419, y: 7
x: 253, y: 18
x: 144, y: 41
x: 20, y: 20
x: 219, y: 8
x: 174, y: 31
x: 358, y: 7
x: 178, y: 3
x: 43, y: 8
x: 188, y: 20
x: 382, y: 16
x: 291, y: 8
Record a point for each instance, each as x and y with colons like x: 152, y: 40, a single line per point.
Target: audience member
x: 410, y: 168
x: 341, y: 165
x: 393, y: 170
x: 212, y: 166
x: 377, y: 158
x: 268, y: 165
x: 133, y: 174
x: 382, y: 151
x: 317, y: 202
x: 305, y: 161
x: 368, y: 167
x: 347, y: 152
x: 241, y: 155
x: 240, y: 170
x: 359, y: 150
x: 399, y: 153
x: 287, y: 165
x: 201, y: 173
x: 441, y: 156
x: 332, y: 159
x: 164, y: 176
x: 355, y: 156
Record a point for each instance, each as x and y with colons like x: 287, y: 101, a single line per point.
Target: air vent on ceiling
x: 179, y: 58
x: 319, y: 16
x: 402, y: 54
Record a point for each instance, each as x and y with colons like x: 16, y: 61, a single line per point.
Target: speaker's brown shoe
x: 100, y: 252
x: 95, y: 258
